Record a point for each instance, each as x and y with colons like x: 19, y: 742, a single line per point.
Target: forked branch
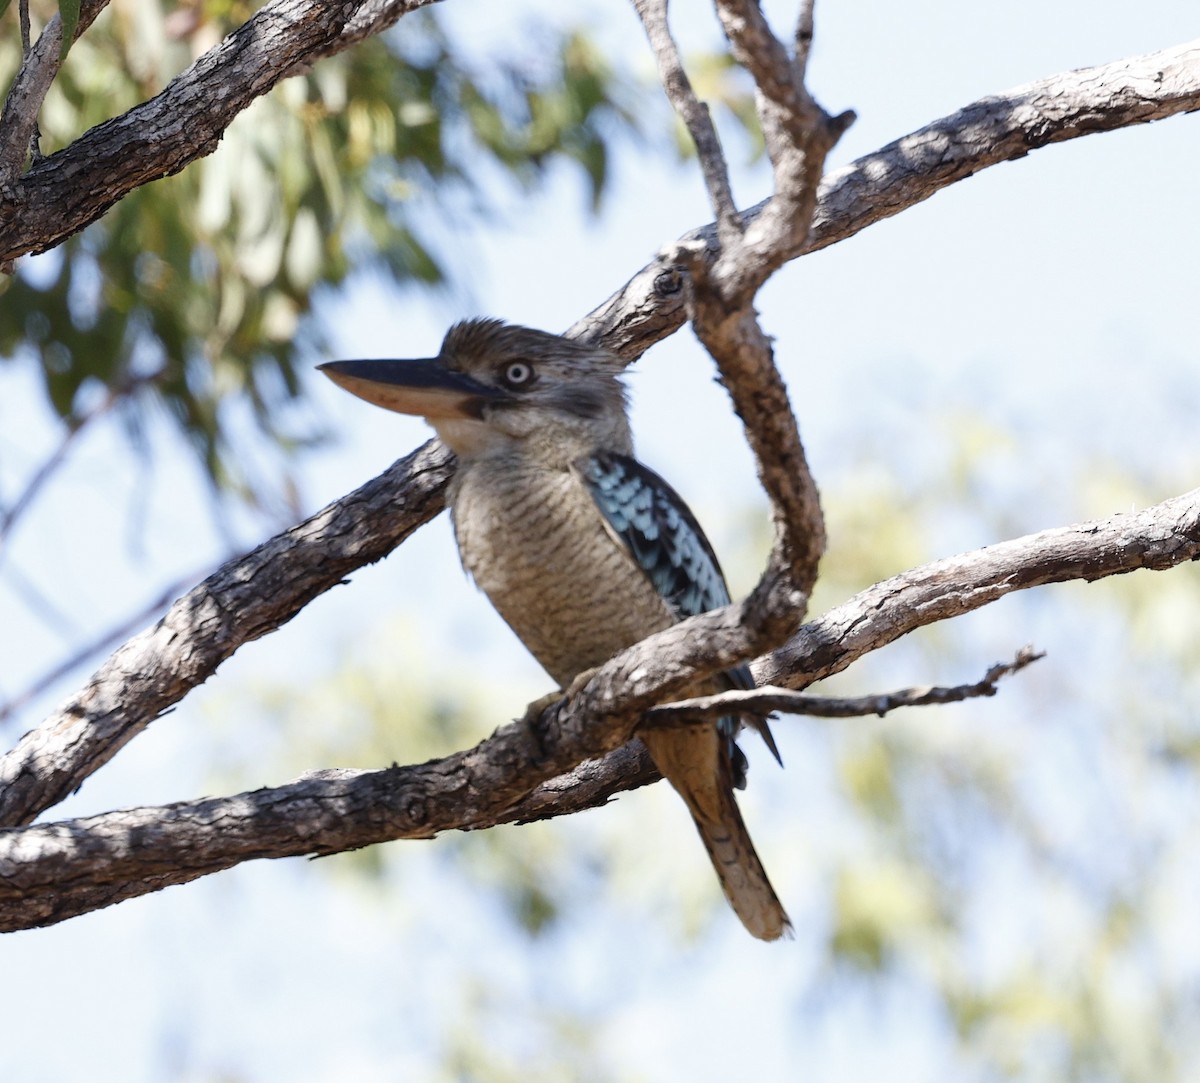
x: 695, y: 116
x: 722, y: 285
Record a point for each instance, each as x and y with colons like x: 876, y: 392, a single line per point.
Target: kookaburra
x: 582, y: 549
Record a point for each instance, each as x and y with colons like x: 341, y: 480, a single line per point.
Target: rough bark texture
x: 998, y: 128
x: 29, y: 89
x: 1156, y: 538
x: 243, y: 600
x: 66, y: 191
x: 49, y: 872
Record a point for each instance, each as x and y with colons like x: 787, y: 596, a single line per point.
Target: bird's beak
x: 425, y: 387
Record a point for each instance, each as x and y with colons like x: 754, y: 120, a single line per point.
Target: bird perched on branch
x: 582, y: 549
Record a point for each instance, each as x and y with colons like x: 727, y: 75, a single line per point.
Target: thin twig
x: 19, y: 133
x: 763, y: 701
x: 35, y: 135
x: 23, y: 10
x: 804, y: 39
x: 694, y: 114
x: 102, y: 643
x: 74, y: 426
x: 39, y: 604
x: 40, y: 476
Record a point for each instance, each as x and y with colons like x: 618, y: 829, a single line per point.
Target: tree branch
x: 798, y: 134
x: 763, y: 700
x: 803, y: 39
x: 243, y: 600
x: 74, y: 425
x: 695, y: 115
x: 72, y: 188
x: 39, y: 66
x: 1158, y: 537
x: 996, y: 129
x: 53, y: 871
x: 54, y: 759
x: 720, y: 305
x: 251, y: 596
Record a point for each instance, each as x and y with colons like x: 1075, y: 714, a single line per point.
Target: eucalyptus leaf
x: 69, y: 12
x: 213, y: 271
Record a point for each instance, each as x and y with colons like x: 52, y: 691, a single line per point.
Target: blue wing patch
x: 659, y: 531
x: 662, y: 535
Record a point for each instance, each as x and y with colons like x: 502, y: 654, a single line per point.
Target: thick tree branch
x: 996, y: 129
x: 53, y: 871
x: 68, y: 190
x: 1158, y: 537
x: 243, y: 600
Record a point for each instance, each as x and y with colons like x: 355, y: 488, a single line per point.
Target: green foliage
x: 191, y: 294
x: 719, y: 81
x: 481, y: 1046
x: 69, y: 10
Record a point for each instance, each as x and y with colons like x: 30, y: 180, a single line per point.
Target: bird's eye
x: 517, y: 374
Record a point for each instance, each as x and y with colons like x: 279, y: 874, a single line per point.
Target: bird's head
x: 495, y: 388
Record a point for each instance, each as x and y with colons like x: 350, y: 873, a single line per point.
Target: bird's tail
x: 709, y: 798
x: 742, y: 876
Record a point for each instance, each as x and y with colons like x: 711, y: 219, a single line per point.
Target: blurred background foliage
x: 193, y: 294
x: 927, y: 857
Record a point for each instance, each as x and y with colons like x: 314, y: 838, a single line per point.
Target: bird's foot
x: 580, y: 680
x: 541, y: 705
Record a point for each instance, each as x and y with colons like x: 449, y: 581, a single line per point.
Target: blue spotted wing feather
x: 661, y: 534
x: 659, y: 531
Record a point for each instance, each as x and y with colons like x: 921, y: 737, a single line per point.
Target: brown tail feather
x: 696, y: 766
x: 742, y: 876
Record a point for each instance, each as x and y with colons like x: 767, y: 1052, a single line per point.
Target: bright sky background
x: 1054, y: 297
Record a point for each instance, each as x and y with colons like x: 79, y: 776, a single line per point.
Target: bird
x: 582, y: 549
